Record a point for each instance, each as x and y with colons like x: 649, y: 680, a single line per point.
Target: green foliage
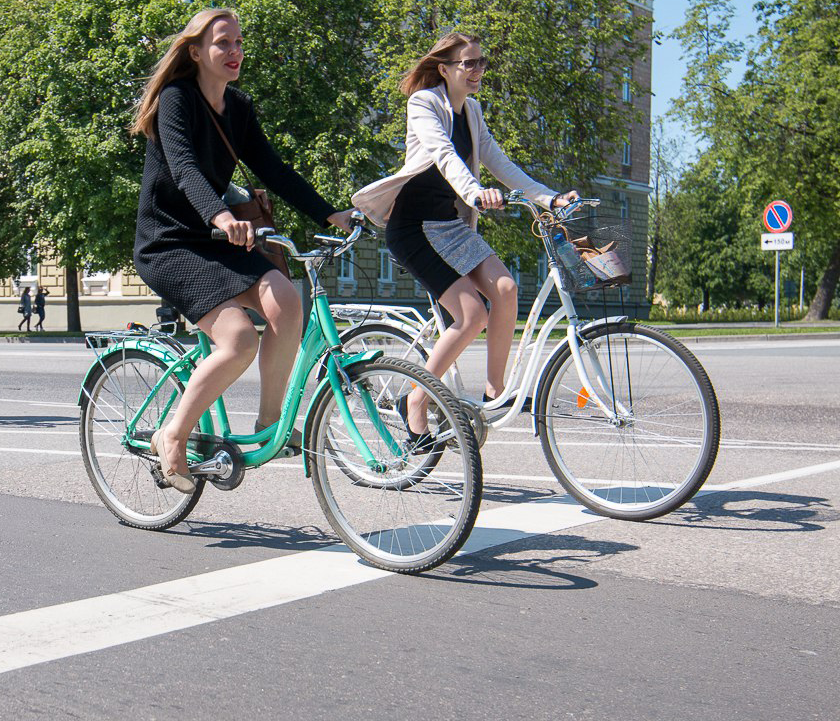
x: 323, y: 74
x: 776, y: 134
x: 731, y: 315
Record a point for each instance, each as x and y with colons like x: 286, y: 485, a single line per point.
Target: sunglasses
x: 470, y: 64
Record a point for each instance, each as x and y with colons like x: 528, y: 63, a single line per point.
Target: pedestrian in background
x: 40, y: 307
x: 25, y: 307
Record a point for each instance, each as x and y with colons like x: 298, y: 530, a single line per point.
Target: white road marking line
x: 51, y: 404
x: 776, y: 477
x: 47, y: 634
x: 54, y: 632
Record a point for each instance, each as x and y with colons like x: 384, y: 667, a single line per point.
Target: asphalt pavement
x: 725, y: 609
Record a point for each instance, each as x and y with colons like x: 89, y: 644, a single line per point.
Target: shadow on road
x: 754, y: 511
x: 38, y: 421
x: 529, y: 563
x: 496, y: 493
x: 256, y: 535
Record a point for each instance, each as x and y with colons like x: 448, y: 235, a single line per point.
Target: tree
x: 664, y: 172
x: 706, y: 256
x: 777, y: 130
x: 71, y: 71
x: 68, y: 73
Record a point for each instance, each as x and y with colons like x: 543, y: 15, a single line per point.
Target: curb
x: 686, y: 340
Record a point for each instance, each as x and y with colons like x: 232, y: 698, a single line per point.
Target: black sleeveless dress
x: 187, y: 170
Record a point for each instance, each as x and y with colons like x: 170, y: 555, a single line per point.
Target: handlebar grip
x: 357, y: 219
x: 218, y: 234
x: 480, y: 206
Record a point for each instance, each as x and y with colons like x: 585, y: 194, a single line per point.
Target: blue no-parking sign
x: 778, y: 216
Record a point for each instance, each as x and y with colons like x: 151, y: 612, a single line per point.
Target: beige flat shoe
x: 185, y: 484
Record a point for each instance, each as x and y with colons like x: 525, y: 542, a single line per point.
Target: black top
x: 187, y: 170
x: 429, y: 196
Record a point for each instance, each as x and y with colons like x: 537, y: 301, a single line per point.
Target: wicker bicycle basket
x: 593, y: 252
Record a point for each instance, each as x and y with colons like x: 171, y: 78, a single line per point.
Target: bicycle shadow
x: 528, y: 563
x: 518, y: 494
x: 714, y: 509
x: 25, y: 422
x: 257, y: 535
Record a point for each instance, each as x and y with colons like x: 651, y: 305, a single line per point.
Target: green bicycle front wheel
x: 128, y: 481
x: 407, y: 515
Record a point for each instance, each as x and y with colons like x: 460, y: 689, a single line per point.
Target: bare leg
x: 236, y: 343
x: 275, y: 299
x: 495, y: 283
x: 467, y: 309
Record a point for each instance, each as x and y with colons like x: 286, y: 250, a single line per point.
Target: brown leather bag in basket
x: 259, y: 210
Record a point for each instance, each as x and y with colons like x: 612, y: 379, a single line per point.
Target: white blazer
x: 428, y: 142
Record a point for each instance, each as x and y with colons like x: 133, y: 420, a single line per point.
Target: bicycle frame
x: 519, y: 380
x: 320, y: 337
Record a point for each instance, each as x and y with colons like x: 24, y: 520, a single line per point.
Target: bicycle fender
x: 167, y: 355
x: 560, y: 348
x: 345, y: 362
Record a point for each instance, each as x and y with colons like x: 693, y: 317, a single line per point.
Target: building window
x: 626, y: 89
x: 626, y: 156
x: 30, y: 272
x: 345, y: 265
x: 542, y: 267
x: 386, y: 267
x: 623, y: 205
x: 98, y: 283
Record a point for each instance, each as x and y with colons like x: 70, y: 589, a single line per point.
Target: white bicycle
x: 626, y: 415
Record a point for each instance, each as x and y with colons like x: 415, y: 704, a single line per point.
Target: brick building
x: 110, y: 300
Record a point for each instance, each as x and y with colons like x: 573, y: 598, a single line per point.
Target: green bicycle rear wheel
x: 129, y: 481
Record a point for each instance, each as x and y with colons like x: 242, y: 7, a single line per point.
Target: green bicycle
x: 400, y: 507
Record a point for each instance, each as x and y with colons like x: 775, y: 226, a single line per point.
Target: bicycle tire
x: 127, y: 481
x: 666, y: 446
x: 405, y: 528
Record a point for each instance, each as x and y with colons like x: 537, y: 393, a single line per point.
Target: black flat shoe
x: 420, y: 443
x: 526, y: 406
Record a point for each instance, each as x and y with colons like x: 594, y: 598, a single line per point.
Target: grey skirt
x: 437, y: 252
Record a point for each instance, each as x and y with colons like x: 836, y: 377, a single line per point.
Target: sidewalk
x: 676, y: 329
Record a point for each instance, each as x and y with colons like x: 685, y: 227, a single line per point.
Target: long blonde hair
x: 425, y: 73
x: 175, y: 64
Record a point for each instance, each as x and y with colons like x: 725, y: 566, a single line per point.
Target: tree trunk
x: 818, y: 310
x: 71, y: 285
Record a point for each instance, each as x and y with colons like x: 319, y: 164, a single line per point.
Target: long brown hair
x: 425, y: 73
x: 175, y: 64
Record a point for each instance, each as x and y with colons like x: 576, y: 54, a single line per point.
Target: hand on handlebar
x: 239, y: 232
x: 341, y: 219
x: 561, y: 201
x: 490, y: 199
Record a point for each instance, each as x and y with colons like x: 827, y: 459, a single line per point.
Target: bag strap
x: 239, y: 165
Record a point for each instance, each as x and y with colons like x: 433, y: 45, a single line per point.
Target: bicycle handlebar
x: 335, y: 246
x: 517, y: 197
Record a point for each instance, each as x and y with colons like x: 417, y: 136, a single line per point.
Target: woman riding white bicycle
x: 429, y: 208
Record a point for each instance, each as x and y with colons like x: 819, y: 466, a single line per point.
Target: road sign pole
x: 802, y: 288
x: 777, y: 288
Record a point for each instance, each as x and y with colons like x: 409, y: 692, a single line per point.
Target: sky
x: 668, y: 68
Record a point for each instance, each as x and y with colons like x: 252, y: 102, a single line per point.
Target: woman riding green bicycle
x: 187, y: 169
